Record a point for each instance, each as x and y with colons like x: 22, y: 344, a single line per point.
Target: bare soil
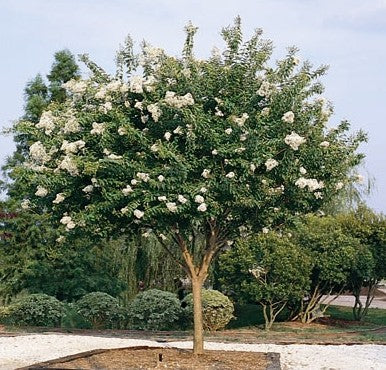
x: 160, y: 358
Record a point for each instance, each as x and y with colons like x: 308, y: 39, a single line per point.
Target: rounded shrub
x: 36, y: 310
x: 101, y: 310
x: 217, y: 309
x: 155, y: 309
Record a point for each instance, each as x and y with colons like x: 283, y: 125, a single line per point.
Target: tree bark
x: 198, y: 336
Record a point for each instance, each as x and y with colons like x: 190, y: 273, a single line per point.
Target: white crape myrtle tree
x: 195, y: 152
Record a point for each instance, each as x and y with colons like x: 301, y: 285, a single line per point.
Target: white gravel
x: 26, y: 350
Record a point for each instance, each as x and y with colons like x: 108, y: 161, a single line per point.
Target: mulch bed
x: 162, y: 358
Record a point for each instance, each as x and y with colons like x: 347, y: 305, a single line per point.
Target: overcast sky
x: 349, y: 35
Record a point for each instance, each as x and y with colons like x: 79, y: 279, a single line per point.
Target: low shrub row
x: 150, y: 310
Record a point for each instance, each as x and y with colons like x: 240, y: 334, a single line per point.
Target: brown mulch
x: 161, y: 358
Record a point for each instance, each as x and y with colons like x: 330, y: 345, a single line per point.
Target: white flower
x: 312, y: 184
x: 229, y: 242
x: 294, y: 140
x: 149, y: 82
x: 324, y: 144
x: 47, y: 122
x: 72, y: 147
x: 114, y: 156
x: 161, y: 178
x: 240, y: 120
x: 143, y: 176
x: 88, y: 189
x: 252, y: 167
x: 240, y: 150
x: 25, y: 203
x: 214, y: 152
x: 65, y: 220
x: 265, y: 230
x: 178, y: 130
x: 144, y: 119
x: 124, y: 210
x: 205, y: 174
x: 243, y: 137
x: 138, y: 105
x: 139, y: 214
x: 295, y: 61
x: 162, y: 236
x: 265, y: 89
x: 172, y: 99
x: 182, y: 199
x: 318, y: 195
x: 147, y: 233
x: 228, y: 131
x: 69, y: 165
x: 359, y: 178
x: 199, y: 199
x: 167, y: 135
x: 61, y: 239
x: 70, y: 225
x: 203, y: 190
x: 122, y: 131
x: 202, y: 207
x: 77, y: 87
x: 155, y: 111
x: 339, y: 185
x: 104, y: 108
x: 171, y: 206
x: 127, y: 104
x: 265, y: 112
x: 154, y: 148
x: 97, y: 128
x: 38, y: 153
x: 288, y: 117
x: 41, y: 191
x: 302, y: 170
x: 71, y: 126
x: 271, y: 163
x: 230, y: 175
x: 59, y: 198
x: 101, y: 93
x: 134, y: 182
x: 136, y: 84
x: 218, y: 112
x: 162, y: 198
x: 127, y: 190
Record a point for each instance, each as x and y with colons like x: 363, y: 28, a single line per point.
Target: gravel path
x: 28, y: 349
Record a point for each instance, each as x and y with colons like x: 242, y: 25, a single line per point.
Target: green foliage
x: 35, y: 310
x: 154, y: 310
x: 268, y: 269
x: 36, y: 99
x: 217, y: 309
x: 101, y: 310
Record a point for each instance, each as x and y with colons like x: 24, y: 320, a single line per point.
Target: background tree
x: 193, y: 151
x: 370, y: 268
x: 333, y: 254
x: 268, y: 270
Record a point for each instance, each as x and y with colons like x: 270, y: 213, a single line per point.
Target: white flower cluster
x: 312, y: 184
x: 59, y: 198
x: 205, y: 174
x: 265, y: 112
x: 265, y: 89
x: 182, y: 199
x: 114, y: 157
x: 143, y: 176
x: 76, y: 87
x: 38, y: 153
x: 47, y: 122
x: 288, y: 117
x: 271, y: 163
x: 122, y: 131
x: 151, y: 55
x: 67, y: 220
x: 136, y: 84
x: 294, y: 140
x: 88, y: 189
x: 324, y: 144
x: 111, y: 87
x: 139, y: 214
x: 69, y: 165
x: 97, y: 128
x: 25, y: 204
x: 240, y: 120
x: 339, y: 185
x: 72, y: 147
x: 127, y: 190
x: 41, y: 191
x: 155, y: 111
x: 167, y: 135
x: 71, y: 125
x: 230, y: 175
x: 106, y: 107
x: 176, y: 101
x: 171, y: 206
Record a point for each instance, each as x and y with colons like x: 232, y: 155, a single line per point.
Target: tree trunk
x: 198, y: 336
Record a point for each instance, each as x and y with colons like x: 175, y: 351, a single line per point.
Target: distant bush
x: 217, y: 309
x: 101, y: 310
x: 154, y: 310
x: 35, y: 310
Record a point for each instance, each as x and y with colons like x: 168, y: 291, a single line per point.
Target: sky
x: 348, y: 35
